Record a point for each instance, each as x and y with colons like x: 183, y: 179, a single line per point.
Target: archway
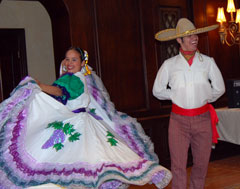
x: 58, y: 13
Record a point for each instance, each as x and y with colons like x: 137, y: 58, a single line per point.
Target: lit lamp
x: 233, y: 28
x: 238, y: 19
x: 231, y: 9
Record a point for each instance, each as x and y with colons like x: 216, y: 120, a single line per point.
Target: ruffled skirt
x: 42, y: 141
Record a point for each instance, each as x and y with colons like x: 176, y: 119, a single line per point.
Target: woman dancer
x: 76, y: 139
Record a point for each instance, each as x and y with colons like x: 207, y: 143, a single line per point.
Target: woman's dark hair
x: 80, y: 51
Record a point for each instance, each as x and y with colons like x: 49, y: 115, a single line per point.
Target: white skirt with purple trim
x: 43, y: 142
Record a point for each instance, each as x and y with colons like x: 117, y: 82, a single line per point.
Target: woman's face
x: 73, y: 61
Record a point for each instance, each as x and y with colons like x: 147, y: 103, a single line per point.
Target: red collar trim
x: 187, y: 52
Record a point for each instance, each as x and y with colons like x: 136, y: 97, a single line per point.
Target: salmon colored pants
x: 185, y: 132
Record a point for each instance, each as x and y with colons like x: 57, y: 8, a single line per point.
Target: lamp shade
x: 221, y: 16
x: 238, y: 16
x: 231, y: 6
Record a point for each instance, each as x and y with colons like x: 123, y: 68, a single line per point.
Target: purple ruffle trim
x: 158, y: 177
x: 114, y: 184
x: 8, y: 108
x: 125, y: 132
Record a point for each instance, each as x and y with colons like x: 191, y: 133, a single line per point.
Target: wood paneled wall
x: 227, y: 58
x: 119, y: 36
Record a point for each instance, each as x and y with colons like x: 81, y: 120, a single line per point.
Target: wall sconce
x: 229, y: 34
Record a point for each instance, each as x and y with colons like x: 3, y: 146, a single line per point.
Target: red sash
x: 197, y: 111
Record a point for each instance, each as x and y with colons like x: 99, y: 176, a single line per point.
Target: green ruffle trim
x: 72, y: 84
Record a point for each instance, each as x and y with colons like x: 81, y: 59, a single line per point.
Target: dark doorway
x: 13, y: 62
x: 59, y: 15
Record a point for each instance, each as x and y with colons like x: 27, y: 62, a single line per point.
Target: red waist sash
x: 197, y: 111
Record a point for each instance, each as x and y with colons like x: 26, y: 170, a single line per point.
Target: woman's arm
x: 52, y: 90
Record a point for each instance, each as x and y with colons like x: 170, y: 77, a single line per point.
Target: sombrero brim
x: 170, y: 34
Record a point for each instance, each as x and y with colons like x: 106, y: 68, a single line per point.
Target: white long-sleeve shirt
x: 190, y: 86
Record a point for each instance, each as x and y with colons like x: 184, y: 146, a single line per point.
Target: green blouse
x: 71, y: 85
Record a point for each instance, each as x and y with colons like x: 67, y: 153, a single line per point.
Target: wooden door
x: 13, y: 65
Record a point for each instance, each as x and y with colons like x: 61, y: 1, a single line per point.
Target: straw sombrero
x: 184, y: 28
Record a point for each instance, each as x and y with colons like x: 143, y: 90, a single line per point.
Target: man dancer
x: 195, y: 81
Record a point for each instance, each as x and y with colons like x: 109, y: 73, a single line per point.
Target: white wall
x: 33, y: 17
